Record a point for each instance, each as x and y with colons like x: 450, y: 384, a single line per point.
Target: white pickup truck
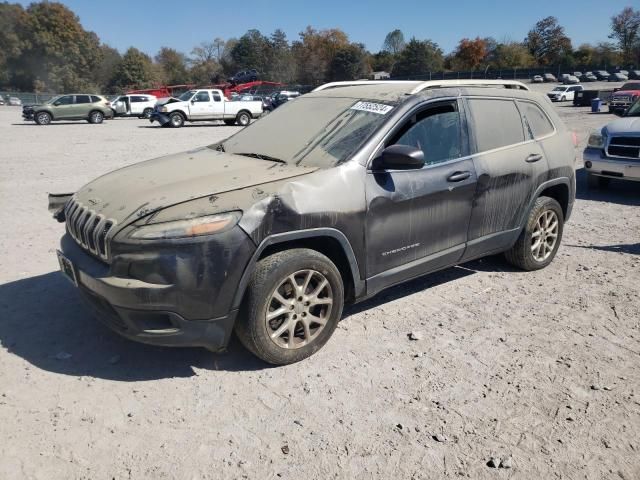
x: 204, y: 104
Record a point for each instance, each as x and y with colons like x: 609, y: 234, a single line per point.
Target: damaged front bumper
x: 161, y: 118
x: 180, y: 295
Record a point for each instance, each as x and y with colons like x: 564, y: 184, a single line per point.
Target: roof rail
x: 469, y: 83
x: 354, y: 83
x: 420, y: 86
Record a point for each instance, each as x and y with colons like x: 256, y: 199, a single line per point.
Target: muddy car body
x: 178, y: 250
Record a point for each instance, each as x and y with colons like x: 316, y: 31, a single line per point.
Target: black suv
x: 329, y: 200
x: 244, y: 77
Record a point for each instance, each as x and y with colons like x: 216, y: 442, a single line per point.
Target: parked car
x: 14, y: 101
x: 563, y: 77
x: 245, y: 77
x: 202, y: 105
x: 564, y: 93
x: 588, y: 77
x: 602, y: 75
x: 284, y: 96
x: 537, y: 79
x: 577, y: 74
x: 272, y: 231
x: 140, y: 106
x: 634, y: 75
x: 618, y: 77
x: 1, y: 100
x: 613, y: 152
x: 624, y: 98
x: 549, y: 77
x: 92, y: 108
x: 570, y: 80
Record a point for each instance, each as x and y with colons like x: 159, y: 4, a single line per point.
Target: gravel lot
x: 541, y: 367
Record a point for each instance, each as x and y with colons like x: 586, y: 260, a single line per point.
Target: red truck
x: 624, y: 98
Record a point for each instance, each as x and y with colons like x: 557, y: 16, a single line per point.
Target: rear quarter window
x: 95, y: 99
x: 538, y: 123
x: 496, y: 123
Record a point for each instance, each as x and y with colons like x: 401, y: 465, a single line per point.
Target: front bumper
x: 596, y: 163
x: 180, y: 296
x: 161, y: 118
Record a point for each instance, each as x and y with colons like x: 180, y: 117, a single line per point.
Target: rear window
x: 496, y: 123
x: 538, y: 123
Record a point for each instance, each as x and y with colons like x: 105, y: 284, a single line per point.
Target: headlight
x: 596, y: 140
x: 194, y: 227
x: 163, y: 109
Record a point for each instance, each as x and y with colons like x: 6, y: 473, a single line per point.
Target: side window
x: 95, y: 99
x: 495, y: 122
x: 83, y: 99
x: 66, y: 100
x: 538, y: 123
x: 435, y: 131
x: 216, y: 97
x: 201, y: 97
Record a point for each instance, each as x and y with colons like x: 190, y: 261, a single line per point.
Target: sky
x: 151, y: 24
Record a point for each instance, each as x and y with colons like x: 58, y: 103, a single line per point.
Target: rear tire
x: 96, y: 117
x: 539, y: 241
x: 176, y: 120
x: 310, y: 309
x: 43, y: 118
x: 146, y: 113
x: 243, y: 119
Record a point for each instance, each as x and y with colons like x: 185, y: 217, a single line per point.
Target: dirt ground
x: 541, y: 367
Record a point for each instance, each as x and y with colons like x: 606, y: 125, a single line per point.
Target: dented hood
x: 133, y: 192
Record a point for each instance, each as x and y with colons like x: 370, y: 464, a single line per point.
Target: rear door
x: 81, y: 106
x: 417, y: 220
x: 510, y: 166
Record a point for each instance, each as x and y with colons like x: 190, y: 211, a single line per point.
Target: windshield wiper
x: 260, y: 156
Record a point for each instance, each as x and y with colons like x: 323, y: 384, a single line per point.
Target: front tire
x: 96, y: 117
x: 243, y: 119
x: 43, y: 118
x: 292, y: 306
x: 146, y: 113
x: 176, y: 120
x: 539, y: 241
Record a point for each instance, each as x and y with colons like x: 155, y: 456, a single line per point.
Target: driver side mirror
x: 399, y: 157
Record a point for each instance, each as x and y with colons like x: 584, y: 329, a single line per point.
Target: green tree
x: 382, y: 61
x: 314, y: 52
x: 418, y: 58
x: 135, y: 71
x: 12, y: 21
x: 110, y: 60
x: 349, y: 63
x: 252, y: 50
x: 626, y: 31
x: 394, y: 42
x: 606, y: 55
x: 282, y: 67
x: 58, y: 52
x: 173, y: 66
x: 548, y: 43
x: 512, y: 55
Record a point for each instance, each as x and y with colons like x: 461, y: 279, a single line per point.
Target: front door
x: 510, y: 166
x: 63, y: 108
x: 201, y: 105
x: 417, y: 220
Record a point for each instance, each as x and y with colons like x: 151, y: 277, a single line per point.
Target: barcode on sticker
x: 379, y: 108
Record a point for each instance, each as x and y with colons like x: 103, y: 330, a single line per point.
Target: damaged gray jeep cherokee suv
x: 350, y: 189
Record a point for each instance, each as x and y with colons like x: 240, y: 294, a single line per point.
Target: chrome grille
x: 88, y: 228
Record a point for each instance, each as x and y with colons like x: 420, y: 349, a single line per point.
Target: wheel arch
x: 559, y: 189
x: 44, y: 110
x: 330, y: 242
x: 244, y: 110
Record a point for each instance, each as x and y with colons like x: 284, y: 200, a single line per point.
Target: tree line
x: 44, y: 48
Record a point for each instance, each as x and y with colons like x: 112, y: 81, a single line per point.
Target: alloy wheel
x: 299, y: 309
x: 545, y: 235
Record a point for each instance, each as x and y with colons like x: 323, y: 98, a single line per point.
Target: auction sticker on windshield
x: 379, y: 108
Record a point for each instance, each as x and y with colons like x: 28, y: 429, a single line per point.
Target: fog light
x: 588, y: 164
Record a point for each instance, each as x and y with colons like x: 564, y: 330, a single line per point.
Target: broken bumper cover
x: 175, y: 305
x: 596, y: 163
x: 161, y: 118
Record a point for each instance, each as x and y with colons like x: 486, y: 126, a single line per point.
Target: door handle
x: 458, y: 176
x: 534, y: 157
